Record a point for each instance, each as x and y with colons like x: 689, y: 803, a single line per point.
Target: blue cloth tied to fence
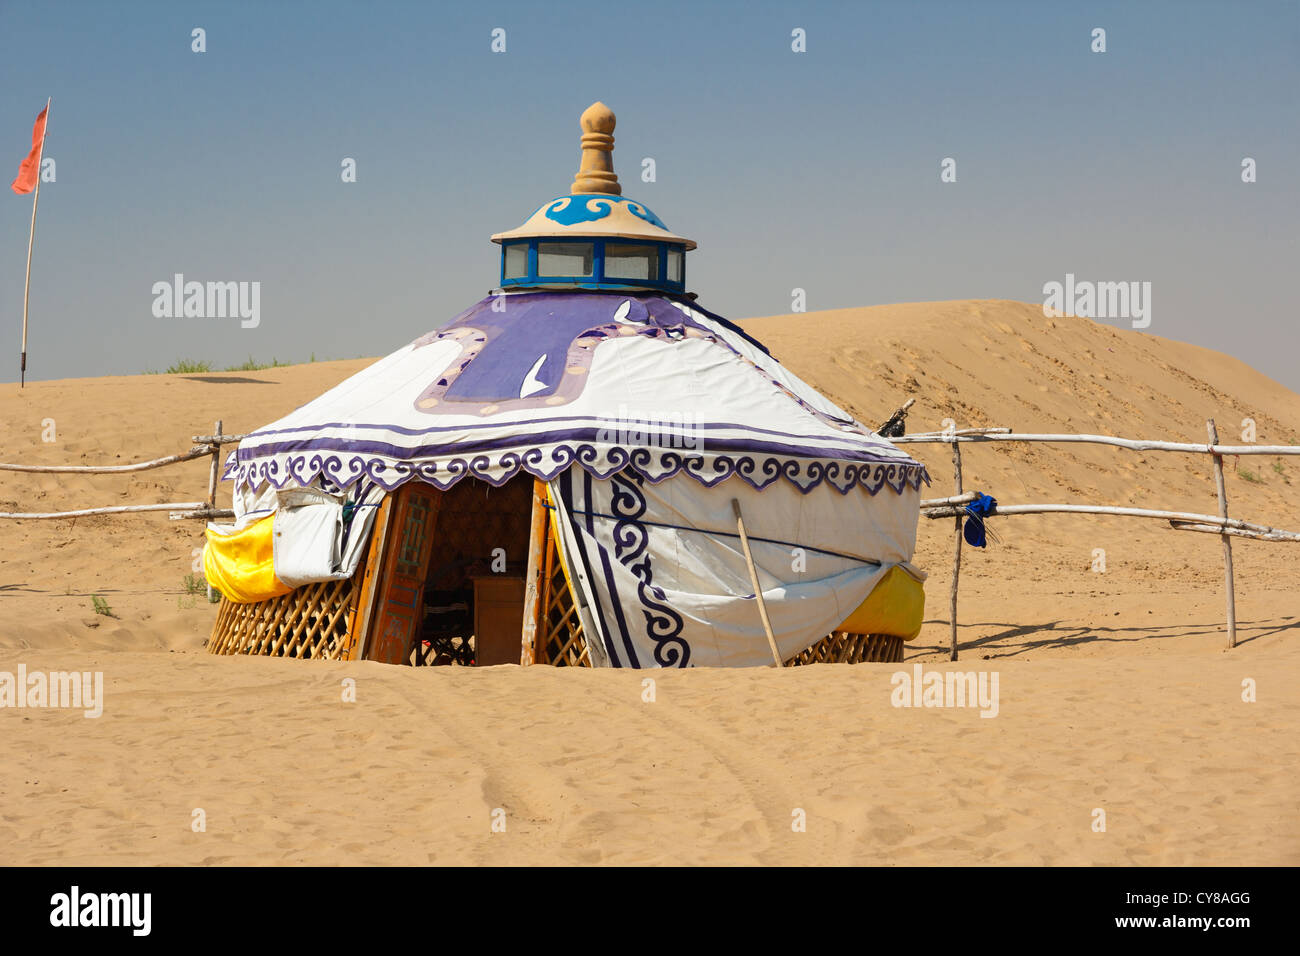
x: 977, y: 511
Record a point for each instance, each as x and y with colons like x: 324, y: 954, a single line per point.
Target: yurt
x: 585, y: 468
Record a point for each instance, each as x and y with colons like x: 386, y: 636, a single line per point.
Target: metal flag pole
x: 31, y: 238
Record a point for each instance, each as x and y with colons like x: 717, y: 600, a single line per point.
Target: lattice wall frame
x: 846, y: 647
x: 310, y: 622
x: 314, y: 621
x: 560, y: 639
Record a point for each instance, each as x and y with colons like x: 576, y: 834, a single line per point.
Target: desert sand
x: 1116, y: 691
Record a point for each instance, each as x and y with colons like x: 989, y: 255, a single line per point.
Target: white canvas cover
x: 617, y: 400
x: 663, y: 578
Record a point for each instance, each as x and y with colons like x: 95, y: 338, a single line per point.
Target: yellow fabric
x: 242, y: 565
x: 896, y: 605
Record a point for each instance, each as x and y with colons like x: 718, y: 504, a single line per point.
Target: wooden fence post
x: 956, y: 553
x: 213, y: 477
x: 1227, y: 539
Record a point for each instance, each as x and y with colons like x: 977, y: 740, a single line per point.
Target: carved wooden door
x: 400, y: 607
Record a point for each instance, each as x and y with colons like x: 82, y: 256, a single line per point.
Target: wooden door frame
x: 537, y: 532
x: 375, y: 577
x: 359, y: 625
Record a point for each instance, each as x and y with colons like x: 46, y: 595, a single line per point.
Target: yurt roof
x: 599, y: 375
x: 540, y: 381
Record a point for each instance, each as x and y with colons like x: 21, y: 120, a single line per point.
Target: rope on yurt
x: 729, y: 534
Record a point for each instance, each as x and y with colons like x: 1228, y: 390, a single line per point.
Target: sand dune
x: 1003, y: 363
x: 1115, y: 688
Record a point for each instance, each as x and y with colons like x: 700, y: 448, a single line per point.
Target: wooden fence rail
x: 198, y: 451
x: 1187, y: 520
x: 1132, y: 444
x: 952, y: 506
x: 1226, y: 528
x: 205, y: 445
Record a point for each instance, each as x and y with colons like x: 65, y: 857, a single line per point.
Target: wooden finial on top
x: 596, y: 172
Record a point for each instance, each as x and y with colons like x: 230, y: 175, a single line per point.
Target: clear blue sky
x: 817, y: 170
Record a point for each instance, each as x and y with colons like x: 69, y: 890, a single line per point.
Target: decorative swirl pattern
x: 571, y: 210
x: 630, y: 536
x: 546, y: 462
x: 641, y: 212
x: 663, y: 624
x: 568, y: 212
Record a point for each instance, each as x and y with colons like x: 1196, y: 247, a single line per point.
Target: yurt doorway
x: 448, y: 570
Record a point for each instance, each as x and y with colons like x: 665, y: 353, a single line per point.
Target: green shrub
x: 188, y: 367
x: 252, y: 365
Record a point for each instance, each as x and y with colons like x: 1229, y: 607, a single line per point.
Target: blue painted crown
x: 594, y: 238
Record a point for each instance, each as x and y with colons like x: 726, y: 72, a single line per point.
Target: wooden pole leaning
x: 753, y: 577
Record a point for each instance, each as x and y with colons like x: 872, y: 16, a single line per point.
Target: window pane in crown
x: 517, y: 260
x: 674, y: 265
x: 631, y: 262
x: 565, y: 259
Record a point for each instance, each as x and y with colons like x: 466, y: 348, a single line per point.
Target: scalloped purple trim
x: 805, y: 474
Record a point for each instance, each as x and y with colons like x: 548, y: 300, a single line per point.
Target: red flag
x: 29, y: 170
